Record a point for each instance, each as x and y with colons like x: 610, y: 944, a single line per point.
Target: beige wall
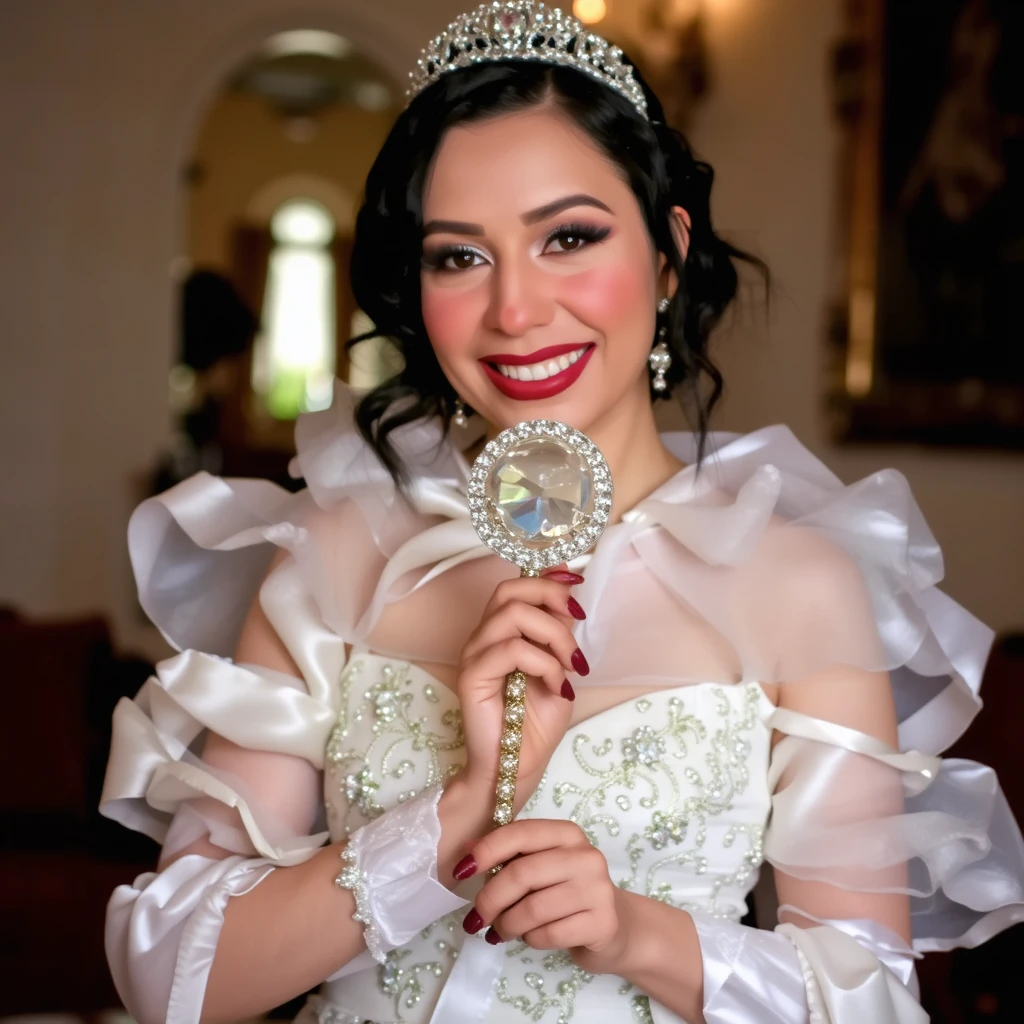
x: 98, y: 112
x: 242, y: 151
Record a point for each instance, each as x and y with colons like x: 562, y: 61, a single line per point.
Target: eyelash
x: 586, y: 233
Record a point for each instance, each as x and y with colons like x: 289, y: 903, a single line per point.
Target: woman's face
x: 539, y: 279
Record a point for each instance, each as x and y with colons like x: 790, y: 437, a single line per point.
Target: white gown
x: 680, y: 788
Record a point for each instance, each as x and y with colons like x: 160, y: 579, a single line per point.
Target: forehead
x: 518, y: 162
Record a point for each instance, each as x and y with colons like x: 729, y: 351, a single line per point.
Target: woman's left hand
x: 554, y: 893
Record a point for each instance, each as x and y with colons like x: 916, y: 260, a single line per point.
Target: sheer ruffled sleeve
x: 853, y: 813
x: 201, y: 553
x: 828, y: 592
x: 162, y: 929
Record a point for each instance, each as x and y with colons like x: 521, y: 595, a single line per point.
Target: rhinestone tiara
x: 524, y: 30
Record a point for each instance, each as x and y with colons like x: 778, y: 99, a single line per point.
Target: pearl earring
x: 459, y: 416
x: 660, y: 358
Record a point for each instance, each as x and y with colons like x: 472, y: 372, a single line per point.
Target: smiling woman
x: 538, y: 193
x: 763, y: 673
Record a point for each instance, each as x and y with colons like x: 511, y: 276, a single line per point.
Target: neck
x: 628, y: 437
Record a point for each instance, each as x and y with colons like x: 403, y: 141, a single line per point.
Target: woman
x: 754, y: 666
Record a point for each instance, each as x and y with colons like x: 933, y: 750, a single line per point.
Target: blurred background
x: 178, y: 185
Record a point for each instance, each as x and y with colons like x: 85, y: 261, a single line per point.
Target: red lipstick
x: 534, y: 390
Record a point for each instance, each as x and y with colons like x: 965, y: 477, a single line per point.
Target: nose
x: 519, y: 299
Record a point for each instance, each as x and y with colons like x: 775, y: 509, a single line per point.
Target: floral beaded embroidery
x: 565, y: 989
x: 658, y: 770
x: 401, y: 742
x: 403, y: 981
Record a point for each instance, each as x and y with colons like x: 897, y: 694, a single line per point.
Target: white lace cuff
x: 391, y: 869
x: 840, y: 972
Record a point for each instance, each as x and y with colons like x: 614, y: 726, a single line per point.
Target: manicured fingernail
x: 579, y: 663
x: 472, y: 922
x: 493, y: 937
x: 567, y: 691
x: 466, y: 868
x: 575, y: 610
x: 561, y: 576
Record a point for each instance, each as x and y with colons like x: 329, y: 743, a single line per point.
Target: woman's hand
x: 526, y: 625
x: 554, y: 892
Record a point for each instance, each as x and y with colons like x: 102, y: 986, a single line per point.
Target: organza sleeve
x: 259, y: 806
x: 879, y: 853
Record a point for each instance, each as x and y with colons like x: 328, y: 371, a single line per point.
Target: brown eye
x: 462, y: 260
x: 568, y: 242
x: 575, y: 237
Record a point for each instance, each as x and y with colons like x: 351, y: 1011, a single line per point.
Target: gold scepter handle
x: 513, y: 716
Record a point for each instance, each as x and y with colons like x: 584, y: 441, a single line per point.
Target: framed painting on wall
x: 927, y: 331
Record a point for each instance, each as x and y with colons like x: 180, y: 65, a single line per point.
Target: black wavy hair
x: 655, y: 160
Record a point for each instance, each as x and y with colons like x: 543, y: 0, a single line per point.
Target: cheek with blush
x: 452, y: 318
x: 616, y: 300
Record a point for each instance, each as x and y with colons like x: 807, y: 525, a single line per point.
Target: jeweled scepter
x: 539, y: 494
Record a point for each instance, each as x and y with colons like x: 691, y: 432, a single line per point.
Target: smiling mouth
x: 538, y: 375
x: 542, y: 369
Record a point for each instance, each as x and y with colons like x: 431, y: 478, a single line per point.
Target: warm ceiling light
x: 307, y: 40
x: 590, y: 12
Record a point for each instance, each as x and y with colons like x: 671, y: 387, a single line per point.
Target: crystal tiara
x: 525, y: 30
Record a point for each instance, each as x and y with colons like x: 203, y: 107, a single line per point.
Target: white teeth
x: 541, y: 371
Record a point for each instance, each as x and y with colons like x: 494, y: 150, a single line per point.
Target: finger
x: 539, y: 591
x: 537, y: 909
x: 567, y: 933
x: 531, y: 835
x: 561, y: 574
x: 519, y: 878
x: 493, y: 664
x: 520, y: 619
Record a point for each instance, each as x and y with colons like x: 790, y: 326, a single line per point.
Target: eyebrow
x: 459, y: 227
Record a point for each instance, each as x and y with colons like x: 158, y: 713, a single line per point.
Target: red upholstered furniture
x: 59, y: 860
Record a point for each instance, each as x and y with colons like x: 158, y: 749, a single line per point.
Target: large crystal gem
x: 540, y: 490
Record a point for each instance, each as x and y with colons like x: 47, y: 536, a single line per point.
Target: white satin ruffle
x: 202, y: 548
x: 762, y: 509
x: 849, y: 811
x: 836, y: 971
x: 151, y: 771
x: 162, y: 931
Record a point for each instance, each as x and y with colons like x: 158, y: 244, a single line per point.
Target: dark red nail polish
x: 579, y: 663
x: 575, y: 610
x: 561, y: 576
x: 466, y: 868
x: 567, y: 691
x: 472, y: 922
x: 493, y: 937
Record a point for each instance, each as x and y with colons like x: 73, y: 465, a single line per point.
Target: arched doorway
x: 282, y: 151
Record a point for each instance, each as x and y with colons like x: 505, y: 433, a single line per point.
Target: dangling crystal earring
x: 459, y: 416
x: 660, y: 359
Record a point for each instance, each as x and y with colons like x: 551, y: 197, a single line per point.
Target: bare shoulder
x: 818, y: 603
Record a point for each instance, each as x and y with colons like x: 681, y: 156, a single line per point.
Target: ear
x: 679, y: 223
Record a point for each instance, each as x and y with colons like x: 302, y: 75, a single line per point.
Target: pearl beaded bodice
x: 671, y: 787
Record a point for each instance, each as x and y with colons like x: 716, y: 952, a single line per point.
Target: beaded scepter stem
x: 539, y: 494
